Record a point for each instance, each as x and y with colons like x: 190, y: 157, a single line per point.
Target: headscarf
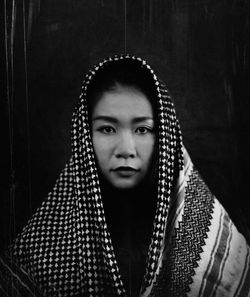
x: 66, y: 247
x: 87, y: 178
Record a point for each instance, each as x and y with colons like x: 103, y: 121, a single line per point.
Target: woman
x: 129, y: 215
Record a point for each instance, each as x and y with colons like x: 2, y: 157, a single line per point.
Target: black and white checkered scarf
x: 66, y: 246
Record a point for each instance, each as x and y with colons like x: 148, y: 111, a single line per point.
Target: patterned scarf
x: 66, y: 249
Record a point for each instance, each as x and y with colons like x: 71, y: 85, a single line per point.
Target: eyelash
x: 104, y: 130
x: 146, y: 130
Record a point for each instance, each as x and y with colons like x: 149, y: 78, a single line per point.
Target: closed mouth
x: 125, y: 168
x: 125, y: 171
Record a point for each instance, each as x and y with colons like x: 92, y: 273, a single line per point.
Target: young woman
x: 129, y: 214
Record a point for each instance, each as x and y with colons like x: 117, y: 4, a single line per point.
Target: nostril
x: 125, y: 155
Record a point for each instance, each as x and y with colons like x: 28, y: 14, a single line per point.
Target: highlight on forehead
x: 115, y: 120
x: 123, y: 103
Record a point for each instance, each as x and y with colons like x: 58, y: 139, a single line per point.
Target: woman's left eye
x: 143, y: 130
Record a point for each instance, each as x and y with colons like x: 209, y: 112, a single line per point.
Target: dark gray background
x: 199, y: 48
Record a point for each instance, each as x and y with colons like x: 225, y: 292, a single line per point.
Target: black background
x: 201, y: 49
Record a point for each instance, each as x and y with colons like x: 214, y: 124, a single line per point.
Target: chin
x: 124, y: 185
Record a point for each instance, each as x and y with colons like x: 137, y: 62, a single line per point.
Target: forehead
x: 123, y: 101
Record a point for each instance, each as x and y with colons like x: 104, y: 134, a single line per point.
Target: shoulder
x: 205, y: 254
x: 221, y: 263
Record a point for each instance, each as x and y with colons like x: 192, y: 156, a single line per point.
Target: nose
x: 125, y: 147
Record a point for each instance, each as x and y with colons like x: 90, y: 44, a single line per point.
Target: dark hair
x: 126, y: 73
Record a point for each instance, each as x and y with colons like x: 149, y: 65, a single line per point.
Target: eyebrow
x: 114, y: 120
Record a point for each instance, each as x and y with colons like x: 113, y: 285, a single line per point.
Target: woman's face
x: 123, y: 135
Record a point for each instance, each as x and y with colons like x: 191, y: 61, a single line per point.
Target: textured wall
x: 201, y: 50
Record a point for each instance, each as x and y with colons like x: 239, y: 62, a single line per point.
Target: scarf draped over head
x: 85, y: 171
x: 66, y: 248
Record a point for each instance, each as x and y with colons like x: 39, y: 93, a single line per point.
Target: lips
x: 125, y: 171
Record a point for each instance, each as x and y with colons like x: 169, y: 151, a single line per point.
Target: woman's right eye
x: 107, y: 130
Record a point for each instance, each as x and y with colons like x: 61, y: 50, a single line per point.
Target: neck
x: 135, y: 203
x: 129, y: 209
x: 130, y: 215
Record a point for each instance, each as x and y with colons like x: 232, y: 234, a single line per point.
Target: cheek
x: 102, y: 149
x: 146, y: 148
